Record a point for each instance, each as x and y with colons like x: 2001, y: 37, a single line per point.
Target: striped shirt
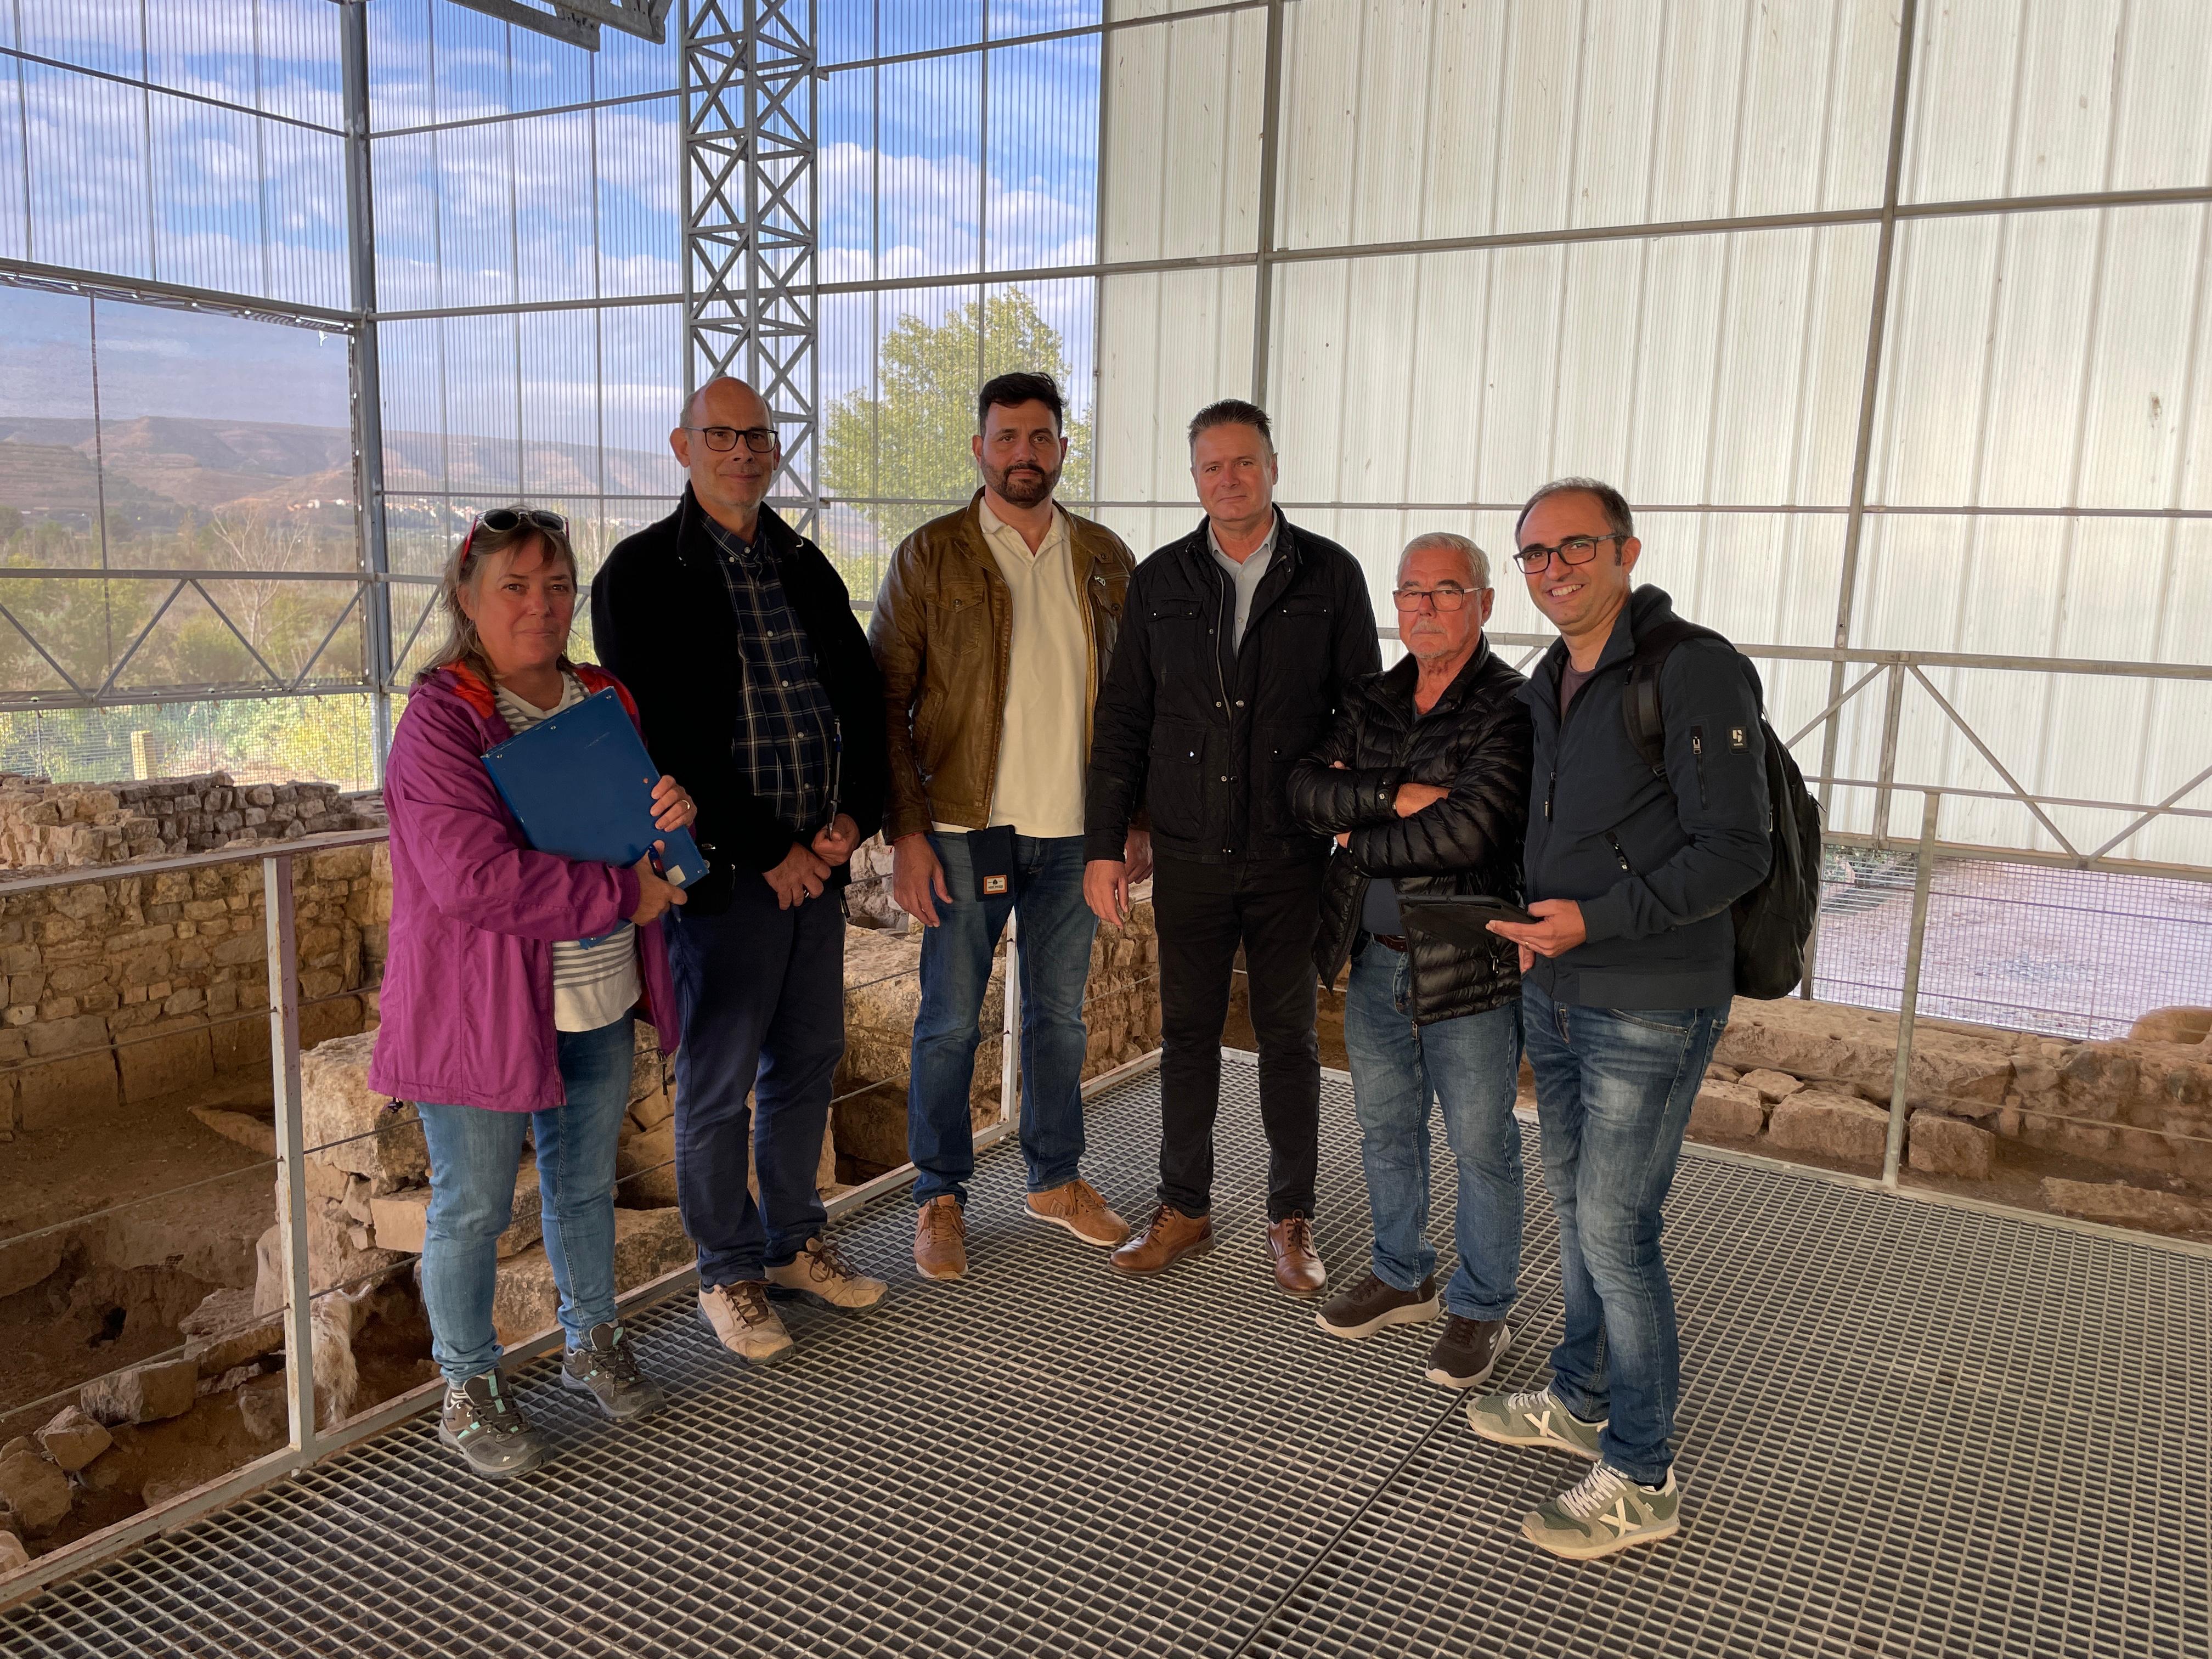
x: 595, y: 984
x: 785, y: 742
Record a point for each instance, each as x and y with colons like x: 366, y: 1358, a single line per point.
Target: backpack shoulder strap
x: 1639, y: 708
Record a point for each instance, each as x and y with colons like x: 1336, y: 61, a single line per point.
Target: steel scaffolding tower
x: 750, y: 217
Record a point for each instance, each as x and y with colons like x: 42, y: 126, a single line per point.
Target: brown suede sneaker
x: 742, y: 1322
x: 1298, y: 1269
x: 940, y: 1239
x: 820, y: 1273
x: 1078, y: 1207
x: 1168, y: 1237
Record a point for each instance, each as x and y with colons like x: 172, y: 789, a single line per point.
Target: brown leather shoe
x: 1168, y: 1237
x: 940, y: 1239
x: 1298, y: 1269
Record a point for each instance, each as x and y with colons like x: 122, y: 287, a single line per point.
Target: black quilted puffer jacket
x: 1475, y: 742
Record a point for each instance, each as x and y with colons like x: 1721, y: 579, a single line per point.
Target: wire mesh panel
x: 2074, y: 953
x: 1907, y: 1429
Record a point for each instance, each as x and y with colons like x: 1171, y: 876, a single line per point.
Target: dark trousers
x: 1203, y: 912
x: 762, y: 995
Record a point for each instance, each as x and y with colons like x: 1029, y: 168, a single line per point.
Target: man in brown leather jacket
x: 992, y: 632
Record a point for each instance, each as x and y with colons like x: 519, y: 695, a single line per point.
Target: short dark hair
x: 1233, y: 411
x: 1610, y: 501
x: 1012, y: 391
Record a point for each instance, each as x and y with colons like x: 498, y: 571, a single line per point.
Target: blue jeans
x: 761, y: 992
x: 1469, y: 1065
x: 1056, y: 931
x: 474, y: 1155
x: 1613, y: 1092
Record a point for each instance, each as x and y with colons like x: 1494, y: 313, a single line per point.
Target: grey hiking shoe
x: 481, y: 1422
x: 1604, y: 1512
x: 1534, y: 1419
x: 605, y: 1368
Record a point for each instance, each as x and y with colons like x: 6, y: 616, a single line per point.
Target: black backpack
x: 1775, y: 919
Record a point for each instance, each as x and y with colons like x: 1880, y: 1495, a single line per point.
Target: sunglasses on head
x: 501, y: 519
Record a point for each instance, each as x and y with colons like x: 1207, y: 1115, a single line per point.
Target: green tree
x: 910, y: 442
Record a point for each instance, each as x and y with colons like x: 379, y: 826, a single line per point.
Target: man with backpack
x: 1635, y: 851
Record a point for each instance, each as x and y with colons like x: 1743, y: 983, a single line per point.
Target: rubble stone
x: 224, y: 1331
x: 73, y: 1440
x: 1839, y: 1127
x: 14, y: 1557
x: 647, y: 1243
x: 2120, y: 1205
x: 1944, y: 1145
x: 1771, y: 1085
x: 359, y: 1130
x: 38, y: 1491
x: 145, y: 1393
x: 1726, y: 1111
x: 2183, y: 1026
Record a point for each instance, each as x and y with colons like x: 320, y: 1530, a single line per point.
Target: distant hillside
x: 159, y: 468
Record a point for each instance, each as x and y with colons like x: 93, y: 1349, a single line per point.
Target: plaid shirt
x: 786, y: 743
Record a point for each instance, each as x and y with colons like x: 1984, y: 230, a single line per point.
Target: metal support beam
x: 577, y: 21
x: 1908, y: 1005
x: 367, y: 378
x: 291, y: 1149
x: 750, y: 220
x: 1270, y: 134
x: 1870, y: 384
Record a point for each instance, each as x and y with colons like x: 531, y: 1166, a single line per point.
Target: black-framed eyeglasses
x: 502, y: 521
x: 723, y: 439
x: 1576, y: 549
x: 1447, y: 597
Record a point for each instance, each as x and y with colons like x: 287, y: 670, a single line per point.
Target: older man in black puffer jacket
x: 1425, y: 784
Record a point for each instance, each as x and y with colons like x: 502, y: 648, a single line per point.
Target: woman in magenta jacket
x: 510, y: 987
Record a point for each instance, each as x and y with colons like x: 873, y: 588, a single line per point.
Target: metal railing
x: 308, y: 1439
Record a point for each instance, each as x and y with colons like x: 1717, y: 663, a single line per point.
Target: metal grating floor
x: 1908, y: 1430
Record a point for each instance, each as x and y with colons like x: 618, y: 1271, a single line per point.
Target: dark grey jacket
x: 1474, y: 743
x: 1202, y: 735
x: 1654, y: 859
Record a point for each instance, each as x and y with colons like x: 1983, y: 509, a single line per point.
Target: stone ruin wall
x: 131, y: 986
x: 47, y: 825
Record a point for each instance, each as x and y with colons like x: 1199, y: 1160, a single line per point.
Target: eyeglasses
x: 501, y: 520
x: 1446, y: 598
x: 758, y: 439
x: 1576, y: 549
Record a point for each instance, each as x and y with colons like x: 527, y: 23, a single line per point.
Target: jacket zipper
x: 1613, y: 842
x: 1698, y: 748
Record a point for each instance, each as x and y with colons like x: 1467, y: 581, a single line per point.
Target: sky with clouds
x: 528, y: 203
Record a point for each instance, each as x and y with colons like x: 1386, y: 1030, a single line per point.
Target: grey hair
x: 1610, y: 502
x: 1478, y: 561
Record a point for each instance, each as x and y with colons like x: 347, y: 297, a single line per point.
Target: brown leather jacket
x: 942, y: 632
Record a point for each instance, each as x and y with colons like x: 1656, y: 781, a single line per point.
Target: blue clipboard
x: 580, y: 784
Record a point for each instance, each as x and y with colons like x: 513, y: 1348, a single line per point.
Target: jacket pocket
x: 1175, y: 773
x: 1276, y: 748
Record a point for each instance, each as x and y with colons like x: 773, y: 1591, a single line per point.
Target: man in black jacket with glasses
x: 1424, y: 783
x: 1238, y: 644
x: 757, y: 692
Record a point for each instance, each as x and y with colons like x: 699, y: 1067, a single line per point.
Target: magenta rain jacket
x: 467, y: 1007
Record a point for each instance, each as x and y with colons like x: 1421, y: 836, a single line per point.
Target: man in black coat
x: 758, y: 693
x: 1238, y: 644
x: 1630, y: 871
x: 1425, y: 784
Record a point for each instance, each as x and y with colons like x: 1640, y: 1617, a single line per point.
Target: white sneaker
x: 742, y: 1322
